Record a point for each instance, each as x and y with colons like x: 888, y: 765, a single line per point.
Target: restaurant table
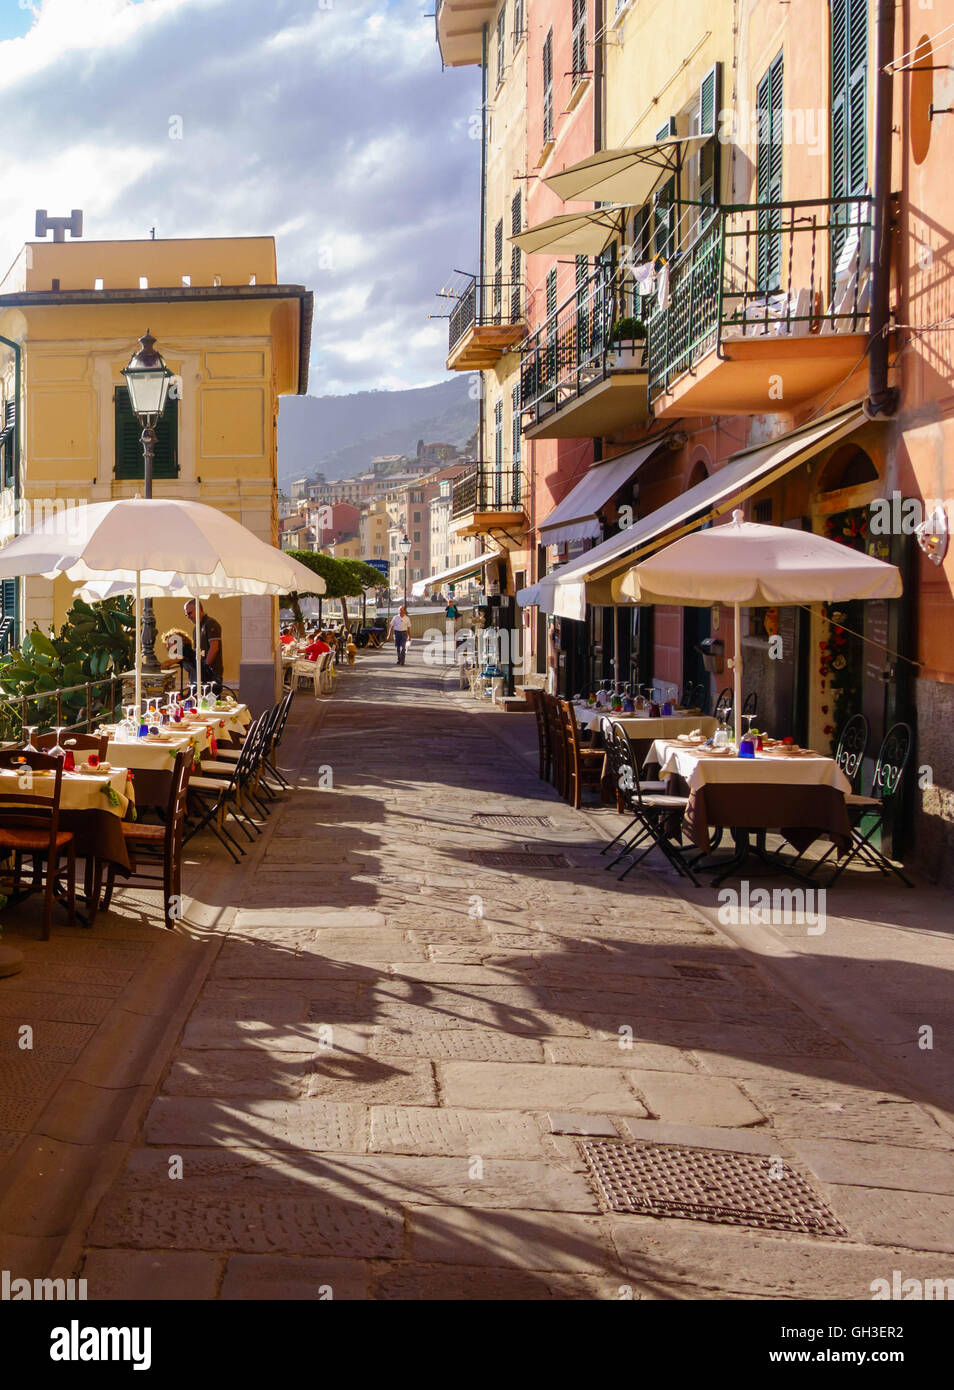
x: 642, y: 731
x: 92, y: 814
x: 152, y: 759
x: 801, y: 795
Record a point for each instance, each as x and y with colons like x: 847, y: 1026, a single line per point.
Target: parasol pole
x: 138, y: 645
x: 737, y: 672
x: 198, y: 653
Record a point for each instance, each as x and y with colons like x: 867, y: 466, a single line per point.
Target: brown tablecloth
x: 98, y: 834
x: 802, y: 813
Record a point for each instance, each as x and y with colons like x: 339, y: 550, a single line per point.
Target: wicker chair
x: 582, y: 763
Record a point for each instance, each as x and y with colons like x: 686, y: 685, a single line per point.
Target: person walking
x: 401, y: 627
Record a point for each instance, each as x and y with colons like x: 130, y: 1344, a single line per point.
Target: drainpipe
x: 882, y: 398
x: 598, y: 21
x: 17, y: 378
x: 481, y: 232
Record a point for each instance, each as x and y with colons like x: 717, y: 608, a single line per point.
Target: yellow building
x: 374, y: 531
x: 70, y: 317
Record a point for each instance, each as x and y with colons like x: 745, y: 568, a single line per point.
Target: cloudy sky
x: 326, y: 123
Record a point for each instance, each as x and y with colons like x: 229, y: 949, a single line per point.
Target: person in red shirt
x: 312, y: 652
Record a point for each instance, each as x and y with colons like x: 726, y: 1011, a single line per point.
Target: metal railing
x: 487, y: 488
x: 34, y: 711
x: 483, y: 302
x: 575, y: 348
x: 762, y: 270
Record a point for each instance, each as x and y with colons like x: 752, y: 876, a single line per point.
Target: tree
x: 343, y: 579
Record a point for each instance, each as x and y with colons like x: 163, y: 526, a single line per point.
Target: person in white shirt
x: 401, y: 627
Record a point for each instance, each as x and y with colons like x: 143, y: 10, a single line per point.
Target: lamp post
x: 405, y: 548
x: 147, y: 380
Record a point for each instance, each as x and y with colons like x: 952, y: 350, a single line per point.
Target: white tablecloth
x: 642, y: 727
x: 697, y: 769
x: 79, y: 791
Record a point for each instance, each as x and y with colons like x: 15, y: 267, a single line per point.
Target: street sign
x: 382, y: 566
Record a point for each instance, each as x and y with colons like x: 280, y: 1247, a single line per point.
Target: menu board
x: 877, y: 663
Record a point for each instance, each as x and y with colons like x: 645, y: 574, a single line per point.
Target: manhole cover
x: 492, y: 859
x: 707, y: 1185
x: 504, y: 820
x: 699, y: 972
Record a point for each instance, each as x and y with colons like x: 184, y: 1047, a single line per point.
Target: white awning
x: 419, y: 587
x: 575, y: 518
x: 573, y: 233
x: 588, y: 579
x: 624, y: 176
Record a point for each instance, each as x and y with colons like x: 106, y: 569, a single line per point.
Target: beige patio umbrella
x: 155, y: 543
x: 745, y: 564
x: 573, y: 233
x: 626, y: 176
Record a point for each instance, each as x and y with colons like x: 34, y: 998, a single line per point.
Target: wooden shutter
x: 710, y: 103
x: 664, y: 218
x: 10, y: 607
x: 579, y: 40
x: 516, y: 227
x: 129, y: 460
x: 517, y: 435
x: 849, y: 109
x: 548, y: 87
x: 498, y: 269
x: 501, y: 42
x: 768, y: 174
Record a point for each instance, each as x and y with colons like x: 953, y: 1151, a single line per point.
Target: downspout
x: 17, y: 378
x: 882, y: 398
x: 598, y: 19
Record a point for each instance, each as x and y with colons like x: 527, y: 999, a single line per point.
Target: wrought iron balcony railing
x: 575, y: 348
x: 487, y: 488
x: 482, y: 303
x: 762, y: 271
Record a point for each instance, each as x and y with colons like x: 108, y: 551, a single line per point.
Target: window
x: 664, y: 209
x: 516, y: 226
x: 517, y: 434
x: 417, y: 538
x: 579, y: 41
x: 849, y: 109
x: 548, y: 87
x: 498, y: 269
x: 768, y: 175
x: 519, y: 23
x: 129, y: 460
x: 501, y: 41
x: 498, y: 435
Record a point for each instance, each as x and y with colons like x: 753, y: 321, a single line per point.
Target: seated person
x: 287, y: 638
x: 182, y: 654
x: 315, y: 649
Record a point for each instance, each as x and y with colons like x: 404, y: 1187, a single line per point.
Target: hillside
x: 339, y: 435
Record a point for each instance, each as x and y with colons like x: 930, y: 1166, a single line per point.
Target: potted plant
x: 627, y: 332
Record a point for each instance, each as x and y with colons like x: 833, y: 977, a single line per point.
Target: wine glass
x: 58, y: 751
x: 30, y: 746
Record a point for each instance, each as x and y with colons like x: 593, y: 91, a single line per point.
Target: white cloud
x: 332, y: 129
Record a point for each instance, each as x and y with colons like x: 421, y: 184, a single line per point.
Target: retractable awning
x: 575, y: 518
x: 623, y: 176
x: 590, y: 579
x: 573, y: 233
x: 464, y: 571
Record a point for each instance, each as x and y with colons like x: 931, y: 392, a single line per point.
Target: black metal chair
x: 893, y: 757
x: 685, y: 699
x: 750, y: 705
x: 724, y: 703
x: 652, y: 811
x: 700, y: 697
x: 849, y: 755
x: 615, y: 765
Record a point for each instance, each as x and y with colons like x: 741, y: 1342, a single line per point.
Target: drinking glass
x: 30, y: 746
x: 58, y: 751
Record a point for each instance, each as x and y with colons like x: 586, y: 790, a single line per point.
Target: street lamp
x: 404, y: 545
x: 147, y: 380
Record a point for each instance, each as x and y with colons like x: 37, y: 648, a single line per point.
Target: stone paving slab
x: 878, y: 1165
x: 525, y: 1239
x: 528, y: 1087
x: 306, y: 1124
x: 449, y: 1130
x: 152, y: 1276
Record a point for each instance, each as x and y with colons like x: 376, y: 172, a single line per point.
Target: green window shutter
x: 551, y: 292
x: 849, y: 109
x: 129, y: 459
x: 710, y: 104
x: 548, y: 87
x: 768, y: 173
x: 709, y: 95
x: 498, y: 269
x: 516, y: 226
x: 10, y: 606
x: 517, y: 436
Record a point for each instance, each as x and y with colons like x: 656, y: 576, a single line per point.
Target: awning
x: 536, y: 595
x: 623, y: 176
x: 589, y: 579
x: 575, y: 518
x: 573, y: 233
x: 469, y: 567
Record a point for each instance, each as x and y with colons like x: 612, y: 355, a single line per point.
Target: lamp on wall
x: 934, y: 536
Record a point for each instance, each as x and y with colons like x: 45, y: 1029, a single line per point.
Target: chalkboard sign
x: 877, y: 666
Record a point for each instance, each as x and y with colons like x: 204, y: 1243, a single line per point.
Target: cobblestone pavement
x: 384, y: 1083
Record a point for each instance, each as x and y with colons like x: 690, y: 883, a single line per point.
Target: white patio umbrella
x: 747, y: 565
x: 155, y: 543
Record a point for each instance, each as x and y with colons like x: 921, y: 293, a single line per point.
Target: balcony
x: 486, y: 322
x: 576, y: 380
x: 488, y: 499
x: 460, y: 25
x: 767, y: 308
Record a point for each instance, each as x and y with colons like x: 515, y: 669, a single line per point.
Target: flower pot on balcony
x: 621, y: 357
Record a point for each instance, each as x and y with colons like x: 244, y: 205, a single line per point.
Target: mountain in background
x: 340, y: 435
